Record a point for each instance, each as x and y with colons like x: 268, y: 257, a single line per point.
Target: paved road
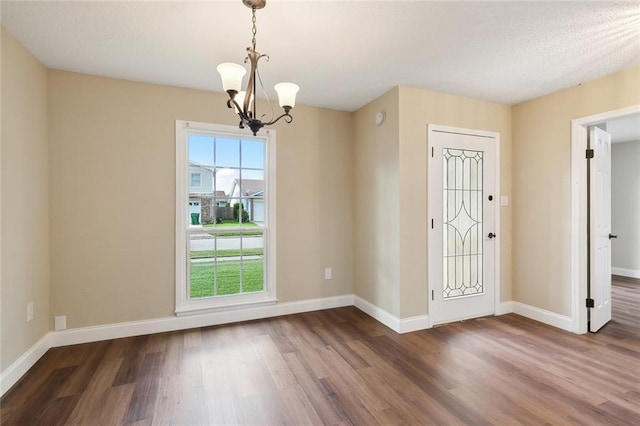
x: 227, y: 243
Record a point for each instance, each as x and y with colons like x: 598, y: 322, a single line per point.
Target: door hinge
x: 590, y: 303
x: 590, y: 153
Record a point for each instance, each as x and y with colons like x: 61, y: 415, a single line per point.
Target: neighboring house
x: 203, y: 201
x: 251, y: 193
x: 200, y: 178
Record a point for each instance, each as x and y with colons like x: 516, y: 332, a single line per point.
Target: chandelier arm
x: 288, y: 118
x: 264, y: 92
x: 252, y: 57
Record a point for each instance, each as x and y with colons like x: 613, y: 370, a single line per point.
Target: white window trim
x: 185, y: 305
x: 191, y: 179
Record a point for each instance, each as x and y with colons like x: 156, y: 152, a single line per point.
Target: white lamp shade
x: 287, y: 94
x: 240, y: 100
x: 231, y: 75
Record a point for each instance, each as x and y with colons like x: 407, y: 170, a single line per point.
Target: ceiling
x: 343, y: 54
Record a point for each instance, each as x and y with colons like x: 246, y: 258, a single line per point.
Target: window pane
x: 227, y: 152
x: 228, y: 276
x: 252, y: 199
x: 253, y: 175
x: 202, y: 265
x: 252, y: 263
x: 201, y: 149
x: 253, y: 154
x: 226, y: 263
x: 225, y: 181
x: 230, y: 213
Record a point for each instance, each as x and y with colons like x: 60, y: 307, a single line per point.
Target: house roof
x: 249, y: 187
x: 201, y: 166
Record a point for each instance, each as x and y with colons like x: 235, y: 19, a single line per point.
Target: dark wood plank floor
x: 341, y: 367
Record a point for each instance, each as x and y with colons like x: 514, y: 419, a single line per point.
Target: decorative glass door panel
x: 462, y: 223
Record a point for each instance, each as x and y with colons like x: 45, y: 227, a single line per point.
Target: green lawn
x: 232, y: 224
x: 227, y: 277
x: 206, y: 254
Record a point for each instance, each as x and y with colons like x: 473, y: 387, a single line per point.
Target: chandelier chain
x: 254, y: 30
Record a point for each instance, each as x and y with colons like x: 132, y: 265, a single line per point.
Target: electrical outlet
x: 327, y: 273
x: 60, y: 323
x: 29, y: 311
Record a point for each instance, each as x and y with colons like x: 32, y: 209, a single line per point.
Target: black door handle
x: 491, y: 235
x: 611, y: 236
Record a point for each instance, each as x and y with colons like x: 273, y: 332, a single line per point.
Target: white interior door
x: 461, y: 228
x: 600, y: 228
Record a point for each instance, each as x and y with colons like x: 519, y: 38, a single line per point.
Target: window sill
x: 234, y: 306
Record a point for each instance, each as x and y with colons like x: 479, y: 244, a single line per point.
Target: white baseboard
x: 419, y: 322
x: 15, y: 371
x: 504, y: 308
x: 405, y: 325
x: 161, y: 325
x: 377, y: 313
x: 631, y: 273
x: 546, y: 317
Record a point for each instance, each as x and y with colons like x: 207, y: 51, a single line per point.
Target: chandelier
x: 245, y: 105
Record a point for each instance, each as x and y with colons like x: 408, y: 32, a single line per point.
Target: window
x: 196, y: 180
x: 225, y: 254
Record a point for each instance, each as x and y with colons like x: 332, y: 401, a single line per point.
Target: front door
x: 461, y: 229
x: 599, y: 228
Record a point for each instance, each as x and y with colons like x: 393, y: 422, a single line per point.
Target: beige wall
x: 376, y: 199
x: 25, y: 201
x: 541, y: 184
x: 112, y: 145
x: 418, y: 108
x: 390, y: 168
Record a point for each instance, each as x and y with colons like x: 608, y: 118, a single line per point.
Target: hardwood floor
x: 341, y: 367
x: 625, y: 298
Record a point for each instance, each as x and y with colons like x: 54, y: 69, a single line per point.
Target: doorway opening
x: 579, y: 212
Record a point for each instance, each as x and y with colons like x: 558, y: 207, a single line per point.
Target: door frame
x: 579, y: 255
x: 497, y: 308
